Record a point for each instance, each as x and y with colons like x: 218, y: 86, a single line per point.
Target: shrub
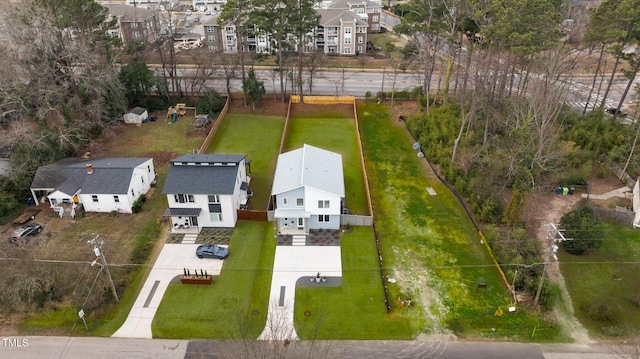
x: 584, y: 230
x: 137, y: 205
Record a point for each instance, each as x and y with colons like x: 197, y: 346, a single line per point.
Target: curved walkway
x: 292, y: 263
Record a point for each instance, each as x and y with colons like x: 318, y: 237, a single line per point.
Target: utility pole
x: 555, y: 235
x: 97, y: 249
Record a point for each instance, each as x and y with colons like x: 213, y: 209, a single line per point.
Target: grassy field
x: 323, y: 127
x: 235, y: 305
x: 430, y: 246
x: 356, y: 309
x: 604, y: 285
x: 259, y: 138
x: 128, y: 239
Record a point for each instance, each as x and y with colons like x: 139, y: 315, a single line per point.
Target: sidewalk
x: 170, y: 263
x: 622, y: 192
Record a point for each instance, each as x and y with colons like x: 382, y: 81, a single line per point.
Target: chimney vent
x: 89, y: 168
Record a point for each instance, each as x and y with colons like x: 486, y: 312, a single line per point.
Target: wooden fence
x: 251, y: 215
x: 214, y: 128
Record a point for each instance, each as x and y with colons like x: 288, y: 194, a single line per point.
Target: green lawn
x: 127, y: 239
x: 337, y: 135
x: 235, y: 305
x: 603, y: 283
x: 259, y: 138
x: 430, y: 246
x: 356, y: 309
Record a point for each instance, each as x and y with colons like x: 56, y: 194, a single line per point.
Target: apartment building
x: 368, y: 10
x: 341, y: 32
x: 134, y: 24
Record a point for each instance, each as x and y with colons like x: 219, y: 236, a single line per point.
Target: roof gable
x: 311, y: 167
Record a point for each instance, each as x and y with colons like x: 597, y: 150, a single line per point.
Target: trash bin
x: 572, y: 189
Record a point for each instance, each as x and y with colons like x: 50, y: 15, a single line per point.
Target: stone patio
x: 316, y: 237
x: 206, y: 235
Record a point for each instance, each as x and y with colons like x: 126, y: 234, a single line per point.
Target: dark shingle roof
x: 203, y: 174
x: 110, y: 175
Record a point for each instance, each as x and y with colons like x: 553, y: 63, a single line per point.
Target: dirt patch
x: 265, y: 107
x: 548, y: 207
x: 160, y: 158
x: 320, y: 111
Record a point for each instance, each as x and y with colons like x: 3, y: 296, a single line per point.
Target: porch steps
x: 190, y: 238
x: 299, y: 240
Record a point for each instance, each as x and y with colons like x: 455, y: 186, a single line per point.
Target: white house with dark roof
x: 206, y: 190
x: 93, y: 184
x: 308, y: 190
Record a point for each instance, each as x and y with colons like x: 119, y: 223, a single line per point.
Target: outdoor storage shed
x: 136, y: 115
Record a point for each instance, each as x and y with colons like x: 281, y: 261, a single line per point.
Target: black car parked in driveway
x: 212, y: 251
x: 31, y: 229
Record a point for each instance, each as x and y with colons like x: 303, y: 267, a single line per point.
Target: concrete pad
x: 291, y: 263
x: 171, y: 262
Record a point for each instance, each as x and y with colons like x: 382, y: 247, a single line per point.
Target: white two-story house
x: 206, y: 190
x: 308, y: 190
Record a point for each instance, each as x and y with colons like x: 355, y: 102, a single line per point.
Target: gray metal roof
x: 203, y: 174
x: 109, y: 176
x: 309, y: 166
x: 186, y: 212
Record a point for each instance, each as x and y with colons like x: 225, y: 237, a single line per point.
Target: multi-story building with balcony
x: 369, y: 10
x: 341, y: 32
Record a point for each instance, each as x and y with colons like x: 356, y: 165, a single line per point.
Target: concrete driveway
x: 290, y: 264
x: 170, y: 263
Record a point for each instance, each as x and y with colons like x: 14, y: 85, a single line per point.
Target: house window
x: 142, y: 179
x: 149, y: 169
x: 347, y: 50
x: 229, y: 29
x: 94, y: 198
x: 214, y: 198
x: 347, y: 40
x: 210, y: 29
x: 359, y: 49
x: 323, y: 218
x: 323, y: 204
x: 134, y: 25
x: 347, y: 30
x: 216, y: 217
x: 132, y: 193
x: 299, y: 202
x: 285, y: 200
x: 184, y: 198
x: 360, y: 40
x: 375, y: 18
x: 116, y: 199
x: 211, y: 38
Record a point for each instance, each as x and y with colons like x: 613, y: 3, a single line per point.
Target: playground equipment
x: 179, y: 110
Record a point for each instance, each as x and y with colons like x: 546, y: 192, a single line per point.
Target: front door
x: 300, y: 223
x: 194, y: 221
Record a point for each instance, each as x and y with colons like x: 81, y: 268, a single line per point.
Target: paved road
x: 107, y: 348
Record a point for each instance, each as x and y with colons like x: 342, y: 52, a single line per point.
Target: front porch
x: 66, y: 209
